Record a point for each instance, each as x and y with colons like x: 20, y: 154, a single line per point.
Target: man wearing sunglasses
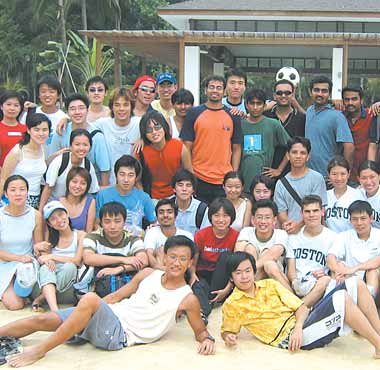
x: 326, y: 128
x: 144, y: 90
x: 291, y: 119
x: 96, y: 90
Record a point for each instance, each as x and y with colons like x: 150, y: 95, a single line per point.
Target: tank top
x: 163, y: 164
x: 173, y: 126
x: 151, y: 312
x: 70, y: 250
x: 240, y: 212
x: 11, y: 239
x: 33, y: 170
x: 80, y: 222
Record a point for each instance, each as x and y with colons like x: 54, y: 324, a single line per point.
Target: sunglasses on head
x: 94, y: 89
x: 155, y: 127
x: 145, y: 89
x: 282, y: 93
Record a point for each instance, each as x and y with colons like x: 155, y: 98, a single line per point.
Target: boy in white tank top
x: 116, y: 322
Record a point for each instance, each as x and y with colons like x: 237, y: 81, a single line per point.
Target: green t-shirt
x: 259, y: 142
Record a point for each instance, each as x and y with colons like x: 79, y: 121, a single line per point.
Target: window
x: 325, y: 64
x: 266, y: 26
x: 264, y: 62
x: 359, y: 64
x: 372, y: 27
x: 275, y: 63
x: 306, y: 26
x: 371, y: 64
x: 246, y: 26
x: 283, y: 26
x: 225, y: 25
x: 327, y: 27
x: 353, y: 27
x: 253, y: 62
x: 310, y: 63
x: 299, y: 63
x: 205, y: 25
x: 241, y: 62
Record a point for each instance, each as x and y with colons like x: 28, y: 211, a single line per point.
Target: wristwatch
x: 210, y: 337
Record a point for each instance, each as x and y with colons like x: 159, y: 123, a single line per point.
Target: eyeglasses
x: 94, y: 89
x: 146, y: 89
x: 156, y: 127
x: 282, y: 93
x: 174, y: 258
x: 318, y: 90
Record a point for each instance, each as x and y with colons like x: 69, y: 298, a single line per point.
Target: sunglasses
x: 156, y: 127
x: 94, y: 89
x: 282, y: 93
x: 146, y: 89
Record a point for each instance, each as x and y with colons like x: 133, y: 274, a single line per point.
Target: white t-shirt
x: 311, y: 252
x: 374, y: 201
x: 154, y: 237
x: 336, y: 211
x: 119, y: 139
x: 352, y: 250
x: 279, y: 237
x: 59, y: 182
x: 174, y: 129
x: 54, y: 117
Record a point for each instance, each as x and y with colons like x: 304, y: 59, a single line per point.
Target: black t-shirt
x: 295, y: 126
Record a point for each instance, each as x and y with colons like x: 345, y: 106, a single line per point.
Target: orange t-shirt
x: 163, y: 164
x: 212, y: 132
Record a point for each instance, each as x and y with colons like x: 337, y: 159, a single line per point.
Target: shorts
x: 324, y: 322
x: 104, y: 329
x: 303, y: 286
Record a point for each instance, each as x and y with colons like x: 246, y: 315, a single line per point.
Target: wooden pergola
x: 168, y: 47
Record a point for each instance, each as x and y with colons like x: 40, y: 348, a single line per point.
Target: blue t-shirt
x: 326, y: 129
x: 137, y: 203
x: 98, y: 155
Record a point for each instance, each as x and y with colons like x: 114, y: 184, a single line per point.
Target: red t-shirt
x: 9, y: 137
x: 163, y: 164
x: 210, y: 247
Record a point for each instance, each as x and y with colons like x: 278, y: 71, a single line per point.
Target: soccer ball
x: 290, y: 74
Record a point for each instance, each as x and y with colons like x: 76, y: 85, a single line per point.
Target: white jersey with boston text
x: 336, y: 210
x: 311, y: 252
x: 374, y: 201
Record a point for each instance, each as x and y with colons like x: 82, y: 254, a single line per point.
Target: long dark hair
x: 9, y: 94
x: 53, y: 234
x: 34, y: 120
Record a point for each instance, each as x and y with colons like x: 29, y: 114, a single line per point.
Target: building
x: 340, y: 38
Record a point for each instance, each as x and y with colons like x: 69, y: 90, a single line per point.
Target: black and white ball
x: 290, y: 74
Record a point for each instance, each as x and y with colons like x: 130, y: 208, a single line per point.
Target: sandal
x: 36, y: 307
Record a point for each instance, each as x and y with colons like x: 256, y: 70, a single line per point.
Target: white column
x: 192, y: 73
x: 337, y: 73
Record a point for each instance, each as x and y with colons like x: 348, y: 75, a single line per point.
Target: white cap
x: 51, y: 207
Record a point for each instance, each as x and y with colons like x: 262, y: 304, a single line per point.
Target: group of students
x: 126, y: 196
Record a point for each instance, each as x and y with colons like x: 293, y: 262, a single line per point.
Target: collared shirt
x: 363, y: 131
x: 268, y: 315
x: 326, y: 129
x: 186, y: 219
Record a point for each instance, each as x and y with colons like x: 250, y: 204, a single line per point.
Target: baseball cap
x: 142, y: 79
x: 166, y: 76
x: 51, y: 207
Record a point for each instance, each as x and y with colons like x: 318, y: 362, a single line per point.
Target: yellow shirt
x: 269, y: 315
x: 166, y: 113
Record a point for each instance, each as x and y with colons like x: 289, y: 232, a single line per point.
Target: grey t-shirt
x: 312, y: 183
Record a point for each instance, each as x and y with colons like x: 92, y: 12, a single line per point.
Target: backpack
x: 65, y: 163
x: 202, y: 206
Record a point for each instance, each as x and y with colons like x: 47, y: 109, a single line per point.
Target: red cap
x: 142, y: 79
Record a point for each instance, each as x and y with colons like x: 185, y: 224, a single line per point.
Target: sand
x: 178, y: 350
